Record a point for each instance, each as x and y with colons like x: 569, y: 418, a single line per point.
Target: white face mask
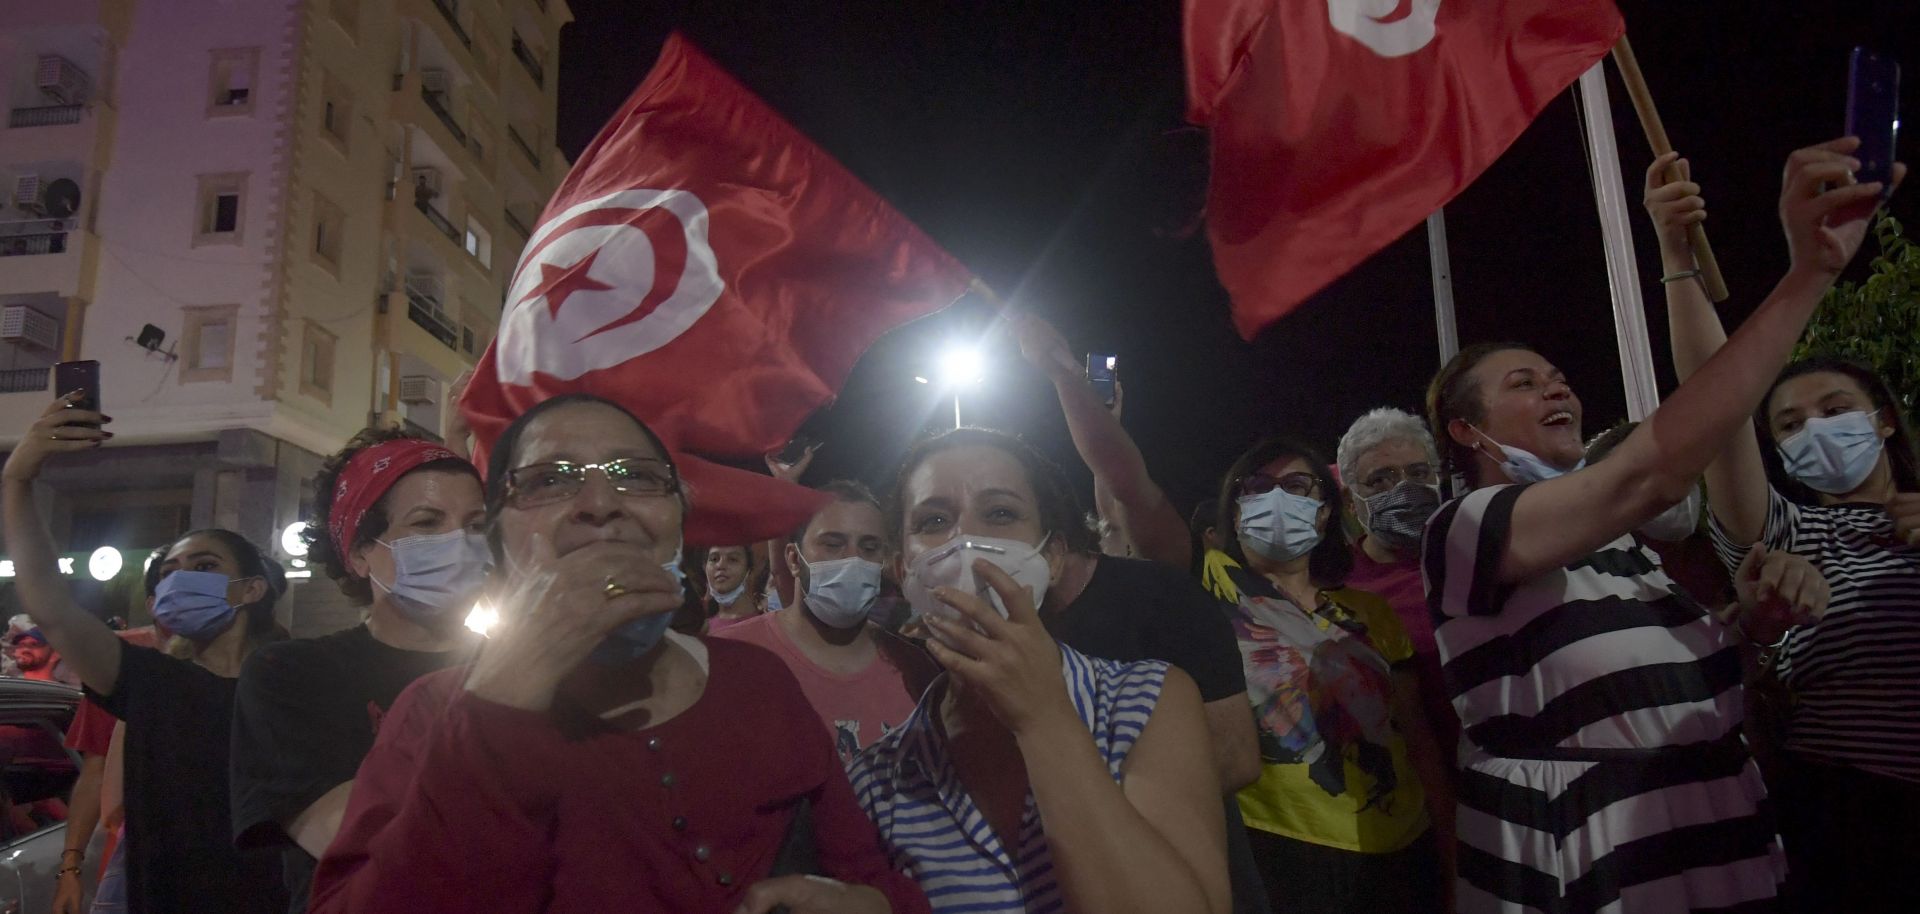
x: 841, y: 592
x: 1279, y: 525
x: 1523, y: 466
x: 1675, y: 523
x: 436, y: 574
x: 730, y: 597
x: 951, y: 565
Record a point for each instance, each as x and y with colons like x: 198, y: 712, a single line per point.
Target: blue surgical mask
x: 193, y: 604
x: 841, y: 592
x: 1524, y: 466
x: 1279, y: 525
x: 436, y: 575
x: 1834, y: 454
x: 634, y: 639
x: 730, y: 597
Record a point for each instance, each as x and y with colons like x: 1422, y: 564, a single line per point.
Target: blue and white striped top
x: 907, y: 784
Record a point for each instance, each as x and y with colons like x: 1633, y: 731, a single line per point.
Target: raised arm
x: 1557, y: 521
x: 1130, y: 499
x: 1737, y: 479
x: 85, y: 642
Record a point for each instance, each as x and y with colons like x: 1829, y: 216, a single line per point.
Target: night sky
x: 1041, y: 143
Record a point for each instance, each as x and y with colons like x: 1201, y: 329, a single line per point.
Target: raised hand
x: 1012, y: 662
x: 1043, y: 346
x: 791, y: 472
x: 1822, y: 210
x: 61, y: 428
x: 1674, y: 205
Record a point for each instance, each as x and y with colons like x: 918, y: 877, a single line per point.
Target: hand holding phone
x: 1873, y: 114
x: 81, y: 378
x: 1101, y: 370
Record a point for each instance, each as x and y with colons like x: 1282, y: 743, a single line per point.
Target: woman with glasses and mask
x: 1031, y: 777
x: 216, y: 593
x: 1352, y: 787
x: 1832, y: 475
x: 590, y: 759
x: 1603, y: 765
x: 402, y: 536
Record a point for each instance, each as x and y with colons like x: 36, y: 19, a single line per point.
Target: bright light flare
x: 483, y: 617
x: 292, y: 539
x: 104, y: 563
x: 962, y: 365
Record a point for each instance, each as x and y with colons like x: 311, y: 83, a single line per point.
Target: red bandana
x: 368, y: 476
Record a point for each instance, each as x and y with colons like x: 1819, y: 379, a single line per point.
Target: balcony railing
x: 34, y: 236
x: 514, y: 223
x: 530, y: 61
x: 439, y: 220
x: 424, y: 311
x: 453, y: 19
x: 46, y: 116
x: 525, y: 147
x: 438, y: 102
x: 24, y: 380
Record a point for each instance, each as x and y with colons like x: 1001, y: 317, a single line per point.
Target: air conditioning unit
x: 419, y: 390
x: 60, y: 80
x: 427, y: 179
x: 27, y: 325
x: 434, y: 81
x: 26, y: 193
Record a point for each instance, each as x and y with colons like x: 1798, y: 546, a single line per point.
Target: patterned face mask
x: 1399, y: 515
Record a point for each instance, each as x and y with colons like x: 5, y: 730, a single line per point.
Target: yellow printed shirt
x: 1334, y: 768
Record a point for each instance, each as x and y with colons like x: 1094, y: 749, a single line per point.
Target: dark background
x: 1041, y: 143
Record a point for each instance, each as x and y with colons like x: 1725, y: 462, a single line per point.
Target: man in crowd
x: 861, y: 679
x: 32, y: 655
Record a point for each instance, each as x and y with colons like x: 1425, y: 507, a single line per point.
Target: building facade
x: 272, y: 223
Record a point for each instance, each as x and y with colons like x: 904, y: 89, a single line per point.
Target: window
x: 466, y: 340
x: 336, y: 112
x: 329, y: 232
x: 208, y: 337
x: 221, y: 213
x: 231, y: 83
x: 479, y: 243
x: 316, y: 362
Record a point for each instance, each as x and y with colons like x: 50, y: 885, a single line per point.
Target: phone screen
x: 1873, y: 112
x: 1100, y: 373
x: 81, y: 376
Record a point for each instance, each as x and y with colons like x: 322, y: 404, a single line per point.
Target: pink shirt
x: 857, y: 708
x: 1400, y: 585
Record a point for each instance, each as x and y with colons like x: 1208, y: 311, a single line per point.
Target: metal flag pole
x: 1609, y: 193
x: 1443, y: 319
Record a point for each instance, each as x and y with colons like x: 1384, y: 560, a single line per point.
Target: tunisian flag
x: 707, y: 266
x: 1337, y: 125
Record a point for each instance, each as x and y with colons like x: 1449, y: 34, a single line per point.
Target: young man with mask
x: 861, y: 679
x: 1391, y: 471
x: 401, y: 536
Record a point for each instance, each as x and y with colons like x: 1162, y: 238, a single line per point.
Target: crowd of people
x: 1339, y: 687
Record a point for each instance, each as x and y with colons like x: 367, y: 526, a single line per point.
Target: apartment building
x: 272, y: 222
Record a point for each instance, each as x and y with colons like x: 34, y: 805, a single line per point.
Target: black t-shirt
x: 306, y: 716
x: 180, y: 853
x: 1134, y: 610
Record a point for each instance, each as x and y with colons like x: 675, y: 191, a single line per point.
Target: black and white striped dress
x: 1856, y: 672
x: 1602, y: 768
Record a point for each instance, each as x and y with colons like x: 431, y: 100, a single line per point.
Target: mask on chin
x: 1523, y: 466
x: 1677, y: 522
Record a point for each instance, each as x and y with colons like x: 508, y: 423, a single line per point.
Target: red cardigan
x: 465, y: 805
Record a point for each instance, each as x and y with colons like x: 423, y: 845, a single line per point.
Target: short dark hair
x: 1059, y: 511
x: 1901, y: 458
x: 251, y: 563
x: 1453, y: 395
x: 1331, y: 562
x: 844, y: 491
x: 318, y: 536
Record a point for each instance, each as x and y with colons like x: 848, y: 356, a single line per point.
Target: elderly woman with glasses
x: 1351, y: 783
x: 591, y: 759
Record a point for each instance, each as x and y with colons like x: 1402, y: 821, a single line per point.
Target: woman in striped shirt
x: 1848, y: 787
x: 1031, y: 778
x: 1604, y: 768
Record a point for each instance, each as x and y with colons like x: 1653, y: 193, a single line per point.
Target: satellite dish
x: 61, y: 198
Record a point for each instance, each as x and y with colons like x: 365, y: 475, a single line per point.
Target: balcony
x: 425, y: 205
x: 526, y: 148
x: 529, y: 60
x: 453, y: 21
x: 437, y: 102
x: 513, y: 222
x: 24, y: 380
x: 426, y: 314
x: 48, y: 255
x: 46, y: 116
x: 34, y: 237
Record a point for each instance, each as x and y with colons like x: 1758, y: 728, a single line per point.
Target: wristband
x: 1676, y: 277
x: 65, y: 871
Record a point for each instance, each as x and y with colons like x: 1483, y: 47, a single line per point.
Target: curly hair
x: 320, y: 548
x: 1060, y: 513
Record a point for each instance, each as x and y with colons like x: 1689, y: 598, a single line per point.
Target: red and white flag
x: 710, y: 268
x: 1339, y: 125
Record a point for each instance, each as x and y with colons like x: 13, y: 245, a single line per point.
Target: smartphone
x: 1100, y: 373
x: 1873, y: 112
x: 82, y: 376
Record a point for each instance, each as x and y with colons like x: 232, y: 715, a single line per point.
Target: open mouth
x: 1557, y: 419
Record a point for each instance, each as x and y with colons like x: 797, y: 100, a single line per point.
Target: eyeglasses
x: 1386, y: 478
x: 1304, y: 485
x: 545, y: 483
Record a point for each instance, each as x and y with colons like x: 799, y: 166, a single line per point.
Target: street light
x: 961, y: 366
x: 293, y: 539
x: 104, y: 563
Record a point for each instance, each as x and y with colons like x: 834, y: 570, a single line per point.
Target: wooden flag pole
x: 1657, y: 138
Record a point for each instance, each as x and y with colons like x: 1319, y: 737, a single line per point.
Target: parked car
x: 37, y: 772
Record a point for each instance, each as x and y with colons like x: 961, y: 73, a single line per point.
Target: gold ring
x: 614, y: 589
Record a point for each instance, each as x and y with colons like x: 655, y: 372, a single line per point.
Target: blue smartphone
x: 1100, y: 374
x: 1873, y: 113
